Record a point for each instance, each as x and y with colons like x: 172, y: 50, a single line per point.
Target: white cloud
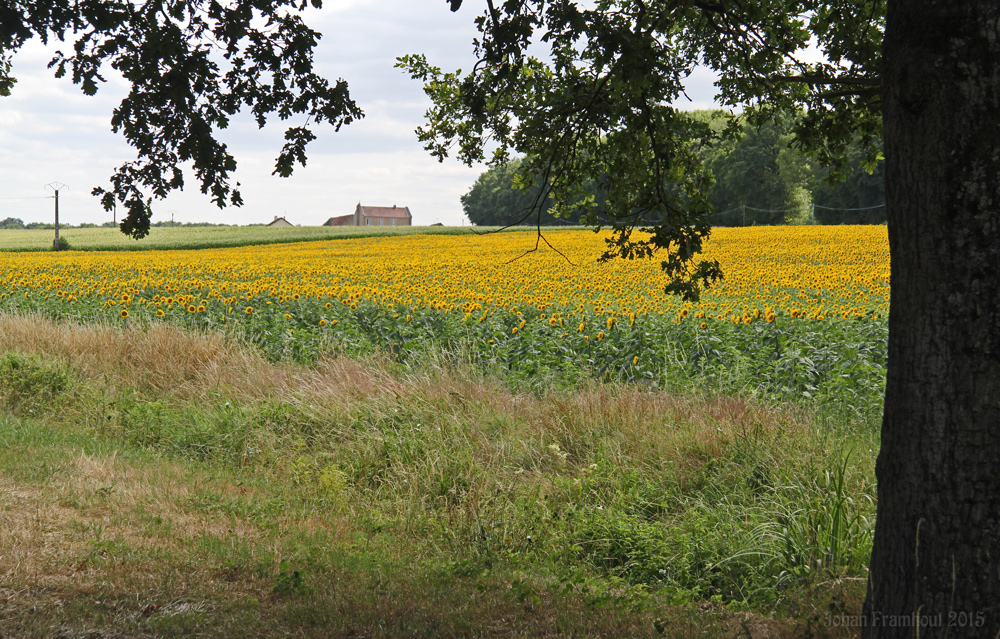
x: 49, y: 131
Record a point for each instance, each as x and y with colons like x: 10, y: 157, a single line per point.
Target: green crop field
x: 192, y: 237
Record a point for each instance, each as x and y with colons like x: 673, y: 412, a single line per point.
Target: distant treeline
x: 17, y: 223
x: 759, y: 179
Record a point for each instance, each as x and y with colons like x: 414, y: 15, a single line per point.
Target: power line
x: 751, y: 208
x: 863, y: 208
x: 811, y: 208
x: 801, y: 208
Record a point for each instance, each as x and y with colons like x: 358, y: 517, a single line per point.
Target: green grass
x: 381, y: 498
x: 111, y: 239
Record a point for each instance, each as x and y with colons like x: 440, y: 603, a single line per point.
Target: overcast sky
x: 50, y: 132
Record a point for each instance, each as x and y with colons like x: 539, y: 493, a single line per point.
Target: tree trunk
x: 935, y: 569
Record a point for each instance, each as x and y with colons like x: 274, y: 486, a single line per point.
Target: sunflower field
x: 801, y: 312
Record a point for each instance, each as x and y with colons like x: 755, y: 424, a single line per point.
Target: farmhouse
x: 279, y: 221
x: 381, y: 216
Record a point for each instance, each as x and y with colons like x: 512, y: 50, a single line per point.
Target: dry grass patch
x: 158, y: 358
x: 94, y: 513
x: 115, y: 545
x: 166, y: 360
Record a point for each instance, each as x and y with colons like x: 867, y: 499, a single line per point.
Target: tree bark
x: 935, y: 569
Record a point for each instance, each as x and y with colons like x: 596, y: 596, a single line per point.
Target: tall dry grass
x: 165, y: 360
x: 436, y: 467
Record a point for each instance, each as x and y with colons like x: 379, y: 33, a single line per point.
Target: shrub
x: 26, y: 382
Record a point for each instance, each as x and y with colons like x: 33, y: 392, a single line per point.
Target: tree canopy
x: 191, y: 65
x: 585, y: 94
x: 496, y: 200
x: 501, y: 198
x: 758, y: 178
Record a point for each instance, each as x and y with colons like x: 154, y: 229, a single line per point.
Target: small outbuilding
x: 343, y: 220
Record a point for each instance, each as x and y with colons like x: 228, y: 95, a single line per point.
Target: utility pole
x: 55, y: 186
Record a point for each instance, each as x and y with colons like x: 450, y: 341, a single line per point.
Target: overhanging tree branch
x: 181, y: 97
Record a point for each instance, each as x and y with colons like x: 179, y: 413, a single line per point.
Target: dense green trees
x: 762, y: 178
x: 748, y: 172
x: 858, y: 199
x: 499, y: 199
x: 759, y: 179
x: 495, y: 200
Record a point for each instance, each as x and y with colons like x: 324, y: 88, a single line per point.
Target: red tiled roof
x: 386, y: 211
x: 343, y: 220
